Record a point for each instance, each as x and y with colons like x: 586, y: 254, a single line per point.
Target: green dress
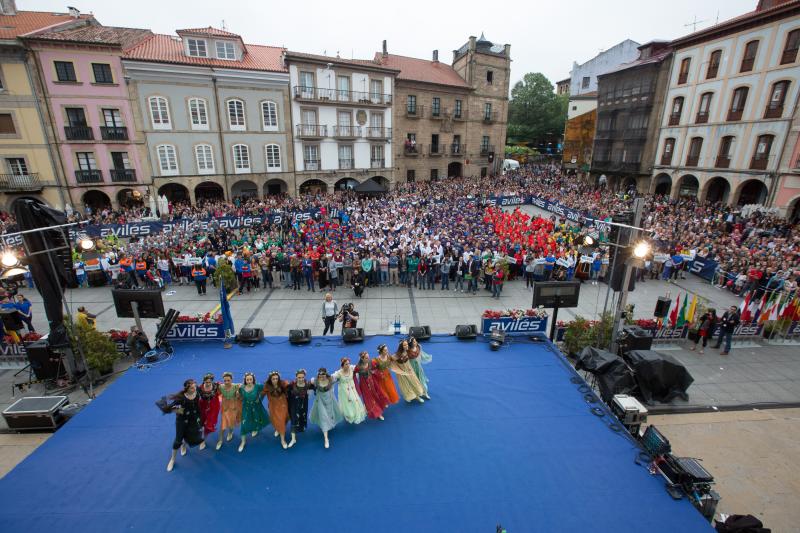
x: 254, y: 416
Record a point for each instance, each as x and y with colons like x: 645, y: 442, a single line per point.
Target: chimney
x: 436, y: 56
x: 507, y: 50
x: 472, y: 40
x: 74, y: 12
x: 8, y: 7
x: 385, y: 50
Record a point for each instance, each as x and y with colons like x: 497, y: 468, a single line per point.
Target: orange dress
x: 278, y: 407
x: 386, y: 382
x: 231, y: 407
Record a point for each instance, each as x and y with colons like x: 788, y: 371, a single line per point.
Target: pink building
x: 103, y: 159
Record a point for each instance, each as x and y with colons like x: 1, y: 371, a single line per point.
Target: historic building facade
x: 726, y: 130
x: 215, y: 114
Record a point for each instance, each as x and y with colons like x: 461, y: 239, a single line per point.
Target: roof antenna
x: 695, y: 23
x: 224, y: 28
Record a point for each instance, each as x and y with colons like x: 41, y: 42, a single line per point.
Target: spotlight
x: 9, y: 259
x: 641, y: 249
x: 85, y: 243
x: 13, y: 272
x: 588, y: 240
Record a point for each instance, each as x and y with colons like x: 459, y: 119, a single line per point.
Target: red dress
x: 368, y: 386
x: 209, y: 408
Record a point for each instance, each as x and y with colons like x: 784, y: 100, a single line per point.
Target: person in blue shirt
x: 23, y: 306
x: 211, y: 266
x: 597, y: 262
x: 238, y: 263
x: 548, y: 266
x: 308, y: 272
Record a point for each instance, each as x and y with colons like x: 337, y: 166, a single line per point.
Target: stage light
x: 9, y: 259
x: 13, y: 272
x: 85, y: 243
x: 641, y: 249
x: 588, y: 240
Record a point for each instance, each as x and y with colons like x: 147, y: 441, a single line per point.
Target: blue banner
x: 522, y: 326
x: 192, y: 331
x: 704, y: 267
x: 548, y: 205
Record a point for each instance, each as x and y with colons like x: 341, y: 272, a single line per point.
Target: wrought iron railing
x: 79, y: 133
x: 123, y: 174
x: 89, y: 176
x: 114, y: 133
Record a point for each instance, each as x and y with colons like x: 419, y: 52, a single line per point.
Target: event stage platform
x: 506, y: 439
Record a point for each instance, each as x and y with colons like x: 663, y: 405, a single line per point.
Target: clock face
x: 361, y: 117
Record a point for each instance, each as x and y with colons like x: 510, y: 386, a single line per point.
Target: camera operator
x: 348, y: 316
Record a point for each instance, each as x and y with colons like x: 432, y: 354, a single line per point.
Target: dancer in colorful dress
x: 383, y: 363
x: 349, y: 401
x: 188, y: 426
x: 418, y: 357
x: 407, y: 380
x: 368, y: 386
x: 209, y: 406
x: 254, y: 416
x: 325, y: 412
x: 231, y: 407
x: 275, y: 389
x: 297, y: 392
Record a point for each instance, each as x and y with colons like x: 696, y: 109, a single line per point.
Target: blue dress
x: 325, y: 411
x: 416, y: 363
x: 254, y: 416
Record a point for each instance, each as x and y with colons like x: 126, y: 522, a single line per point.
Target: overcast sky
x: 544, y: 36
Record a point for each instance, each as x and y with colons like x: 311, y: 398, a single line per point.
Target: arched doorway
x: 688, y: 186
x: 454, y: 170
x: 380, y: 180
x: 345, y: 184
x: 717, y: 190
x: 275, y: 187
x: 628, y: 184
x: 208, y: 190
x: 96, y: 200
x: 663, y: 185
x: 752, y: 192
x: 244, y: 189
x: 313, y: 187
x: 130, y: 198
x: 175, y: 192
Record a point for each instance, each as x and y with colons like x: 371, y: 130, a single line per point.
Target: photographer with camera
x: 330, y: 310
x: 348, y: 316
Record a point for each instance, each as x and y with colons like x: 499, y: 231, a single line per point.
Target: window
x: 198, y: 113
x: 236, y: 114
x: 345, y: 157
x: 666, y: 155
x: 17, y: 166
x: 159, y: 113
x: 713, y: 64
x: 311, y: 157
x: 434, y: 174
x: 693, y: 158
x: 790, y: 48
x: 204, y: 156
x: 487, y: 111
x: 704, y: 108
x: 724, y: 155
x: 376, y: 123
x: 167, y: 160
x: 226, y: 50
x: 306, y: 84
x: 376, y: 90
x: 86, y: 161
x: 677, y: 110
x: 485, y: 144
x: 737, y: 103
x: 76, y: 116
x: 112, y: 118
x: 7, y: 124
x: 776, y: 99
x: 120, y: 161
x: 585, y: 82
x: 102, y: 73
x: 436, y: 106
x: 749, y: 57
x: 241, y: 159
x: 197, y: 47
x: 683, y: 74
x: 484, y: 172
x: 65, y: 71
x: 273, y: 158
x: 376, y: 156
x: 456, y: 148
x: 761, y: 155
x: 435, y: 143
x: 343, y: 88
x: 269, y: 116
x: 411, y: 104
x: 489, y: 77
x: 457, y: 110
x: 411, y: 176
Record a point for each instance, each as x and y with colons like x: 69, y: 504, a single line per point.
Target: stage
x: 506, y: 439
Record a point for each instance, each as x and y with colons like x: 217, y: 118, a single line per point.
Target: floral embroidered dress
x: 349, y: 401
x: 254, y: 416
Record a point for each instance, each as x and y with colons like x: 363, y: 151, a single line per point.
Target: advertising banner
x: 192, y: 331
x: 509, y: 326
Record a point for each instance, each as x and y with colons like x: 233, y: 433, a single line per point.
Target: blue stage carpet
x: 506, y: 438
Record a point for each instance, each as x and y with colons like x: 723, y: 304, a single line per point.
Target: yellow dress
x: 407, y: 381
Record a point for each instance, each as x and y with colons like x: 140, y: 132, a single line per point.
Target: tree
x: 225, y: 272
x: 535, y: 109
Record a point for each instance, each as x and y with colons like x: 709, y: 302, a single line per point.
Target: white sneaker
x: 219, y: 445
x: 420, y: 400
x: 380, y: 417
x: 241, y: 447
x: 276, y: 433
x: 229, y: 437
x: 202, y: 445
x: 327, y: 445
x: 291, y: 442
x: 183, y: 449
x: 170, y: 465
x: 253, y: 433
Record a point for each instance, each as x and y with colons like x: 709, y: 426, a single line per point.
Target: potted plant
x: 225, y: 273
x: 577, y: 335
x: 98, y: 348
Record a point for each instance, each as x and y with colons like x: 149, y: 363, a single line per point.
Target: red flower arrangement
x: 207, y: 318
x: 646, y: 323
x: 31, y: 336
x: 118, y: 335
x: 515, y: 314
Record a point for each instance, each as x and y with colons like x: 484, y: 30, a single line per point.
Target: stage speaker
x: 250, y: 336
x: 44, y: 362
x: 662, y: 307
x: 466, y: 331
x: 353, y: 335
x: 635, y: 338
x: 617, y: 273
x: 421, y: 333
x: 299, y: 336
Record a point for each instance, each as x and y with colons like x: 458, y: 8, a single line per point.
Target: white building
x: 583, y: 77
x: 728, y: 113
x: 342, y: 117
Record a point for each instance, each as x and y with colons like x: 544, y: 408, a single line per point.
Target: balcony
x: 319, y: 94
x: 674, y: 119
x: 89, y: 176
x: 456, y: 150
x: 701, y: 118
x: 635, y: 133
x: 666, y: 159
x: 486, y: 149
x: 437, y: 113
x: 123, y: 175
x: 722, y: 161
x: 311, y: 131
x: 692, y: 160
x: 435, y: 149
x: 377, y: 163
x: 379, y: 133
x: 345, y: 164
x: 410, y: 150
x: 79, y: 133
x: 114, y: 133
x: 311, y: 164
x: 773, y: 111
x: 415, y: 111
x: 20, y: 182
x: 760, y: 162
x: 346, y: 132
x: 734, y: 115
x: 490, y: 117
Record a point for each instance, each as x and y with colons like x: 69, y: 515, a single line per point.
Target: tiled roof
x: 414, y: 69
x: 655, y: 58
x: 12, y: 26
x: 168, y: 49
x: 95, y: 34
x: 338, y: 60
x: 213, y: 32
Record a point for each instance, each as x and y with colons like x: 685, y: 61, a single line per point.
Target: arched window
x: 273, y: 153
x: 269, y: 116
x: 725, y: 150
x: 704, y: 109
x: 198, y: 113
x: 737, y: 103
x: 241, y: 159
x: 683, y: 74
x: 713, y: 64
x: 677, y: 110
x: 761, y: 155
x: 749, y: 57
x: 167, y: 160
x: 777, y: 97
x: 236, y: 114
x: 159, y: 113
x: 666, y: 155
x: 693, y: 157
x: 790, y: 48
x: 204, y: 155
